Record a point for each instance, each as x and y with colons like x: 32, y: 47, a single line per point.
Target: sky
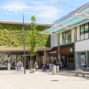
x: 45, y: 11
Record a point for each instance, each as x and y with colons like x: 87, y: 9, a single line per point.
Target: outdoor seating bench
x: 83, y: 73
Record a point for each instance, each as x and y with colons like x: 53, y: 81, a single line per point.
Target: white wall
x: 54, y: 40
x: 78, y: 33
x: 73, y: 35
x: 60, y: 38
x: 82, y: 45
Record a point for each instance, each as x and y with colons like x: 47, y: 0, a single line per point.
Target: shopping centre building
x: 12, y: 47
x: 70, y: 39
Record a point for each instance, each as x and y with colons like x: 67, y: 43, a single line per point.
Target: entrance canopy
x: 73, y: 19
x: 63, y: 49
x: 67, y: 49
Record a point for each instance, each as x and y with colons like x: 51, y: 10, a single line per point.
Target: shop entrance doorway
x: 67, y: 56
x: 68, y: 61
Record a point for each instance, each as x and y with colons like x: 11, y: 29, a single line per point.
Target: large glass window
x: 84, y: 59
x: 82, y: 28
x: 88, y: 59
x: 66, y: 37
x: 84, y: 31
x: 86, y: 28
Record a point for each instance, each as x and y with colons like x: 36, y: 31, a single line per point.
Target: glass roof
x: 71, y: 19
x: 52, y: 29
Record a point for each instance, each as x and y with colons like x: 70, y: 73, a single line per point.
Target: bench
x: 83, y: 73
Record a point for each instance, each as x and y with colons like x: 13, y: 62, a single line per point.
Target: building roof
x: 7, y: 49
x: 21, y: 23
x: 73, y: 19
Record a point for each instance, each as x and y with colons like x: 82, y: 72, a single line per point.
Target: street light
x: 23, y: 40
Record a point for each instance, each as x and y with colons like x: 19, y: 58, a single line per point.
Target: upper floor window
x: 86, y: 28
x: 84, y: 31
x: 82, y: 28
x: 66, y: 37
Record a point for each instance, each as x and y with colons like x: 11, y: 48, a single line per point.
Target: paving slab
x: 41, y: 80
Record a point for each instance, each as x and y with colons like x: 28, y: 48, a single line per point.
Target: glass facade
x: 84, y: 31
x: 9, y: 58
x: 84, y: 60
x: 88, y: 59
x: 66, y: 37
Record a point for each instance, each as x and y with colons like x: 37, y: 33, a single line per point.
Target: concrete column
x: 73, y: 35
x: 37, y: 57
x: 45, y: 59
x: 31, y: 62
x: 9, y: 65
x: 77, y: 63
x: 58, y: 38
x: 78, y: 33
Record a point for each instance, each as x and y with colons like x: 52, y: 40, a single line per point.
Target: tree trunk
x: 31, y: 62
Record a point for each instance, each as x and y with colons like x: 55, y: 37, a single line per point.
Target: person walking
x: 50, y: 66
x: 54, y: 71
x: 57, y: 67
x: 9, y: 65
x: 19, y: 66
x: 36, y: 66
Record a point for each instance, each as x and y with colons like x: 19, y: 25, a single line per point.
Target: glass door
x: 87, y: 59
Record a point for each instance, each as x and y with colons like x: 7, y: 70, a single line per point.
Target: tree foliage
x: 34, y: 37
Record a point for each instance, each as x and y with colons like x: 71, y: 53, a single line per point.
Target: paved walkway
x: 41, y: 80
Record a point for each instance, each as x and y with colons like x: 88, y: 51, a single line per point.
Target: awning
x: 76, y: 17
x: 65, y: 49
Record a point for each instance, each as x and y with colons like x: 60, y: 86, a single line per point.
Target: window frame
x: 83, y: 33
x: 64, y: 34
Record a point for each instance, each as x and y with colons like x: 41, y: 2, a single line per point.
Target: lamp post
x: 23, y: 40
x: 58, y: 39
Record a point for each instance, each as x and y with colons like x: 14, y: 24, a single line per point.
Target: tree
x: 33, y: 40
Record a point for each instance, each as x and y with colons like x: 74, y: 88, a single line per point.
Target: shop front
x: 67, y: 56
x: 53, y: 54
x: 82, y: 54
x: 66, y: 53
x: 83, y: 60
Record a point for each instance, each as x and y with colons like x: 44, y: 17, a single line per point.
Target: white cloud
x: 15, y: 6
x: 46, y: 11
x: 40, y: 10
